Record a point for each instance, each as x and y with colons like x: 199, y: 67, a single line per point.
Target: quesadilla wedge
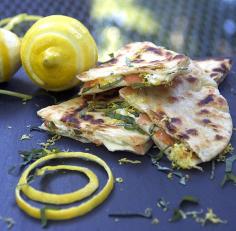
x: 84, y: 119
x: 138, y: 64
x: 191, y: 119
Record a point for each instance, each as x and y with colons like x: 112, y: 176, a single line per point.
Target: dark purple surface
x: 142, y: 185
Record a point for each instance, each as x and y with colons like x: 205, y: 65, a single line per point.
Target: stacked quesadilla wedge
x: 192, y: 119
x: 139, y: 64
x: 97, y: 120
x: 166, y: 97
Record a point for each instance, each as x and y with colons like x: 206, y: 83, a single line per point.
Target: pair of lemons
x: 53, y: 51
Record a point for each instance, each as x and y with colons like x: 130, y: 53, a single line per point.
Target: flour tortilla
x: 73, y: 119
x: 191, y: 111
x: 136, y: 64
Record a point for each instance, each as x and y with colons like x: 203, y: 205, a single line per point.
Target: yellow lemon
x: 9, y: 54
x: 55, y: 49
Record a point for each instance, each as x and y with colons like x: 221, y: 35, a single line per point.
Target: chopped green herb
x: 163, y: 204
x: 177, y: 215
x: 128, y: 161
x: 188, y: 200
x: 151, y: 130
x: 147, y: 214
x: 128, y: 62
x: 44, y: 220
x: 140, y: 85
x: 111, y: 84
x: 119, y: 180
x: 167, y: 170
x: 86, y: 89
x: 51, y: 141
x: 229, y: 175
x: 36, y: 128
x: 111, y: 55
x: 9, y: 221
x: 31, y: 156
x: 213, y: 167
x: 26, y: 137
x: 210, y: 216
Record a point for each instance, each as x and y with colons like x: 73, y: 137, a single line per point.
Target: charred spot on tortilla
x: 206, y: 121
x: 213, y: 74
x: 206, y: 100
x: 175, y: 120
x: 155, y: 50
x: 203, y: 111
x: 172, y: 99
x: 219, y: 137
x: 191, y: 79
x: 170, y: 127
x: 183, y: 136
x: 179, y: 56
x: 192, y: 131
x: 218, y: 70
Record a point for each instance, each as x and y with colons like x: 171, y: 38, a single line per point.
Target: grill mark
x: 213, y: 74
x: 224, y: 67
x: 183, y: 136
x: 206, y: 121
x: 178, y: 57
x: 203, y: 111
x: 219, y: 137
x: 191, y: 79
x: 218, y: 70
x: 176, y: 120
x: 154, y: 50
x: 206, y: 100
x: 192, y: 132
x: 170, y: 127
x: 137, y: 61
x: 172, y: 99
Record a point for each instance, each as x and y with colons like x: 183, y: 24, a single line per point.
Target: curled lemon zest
x: 67, y: 213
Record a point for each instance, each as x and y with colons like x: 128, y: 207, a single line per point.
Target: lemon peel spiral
x: 68, y: 213
x: 55, y: 49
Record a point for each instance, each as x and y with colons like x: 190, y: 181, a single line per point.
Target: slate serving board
x: 143, y: 184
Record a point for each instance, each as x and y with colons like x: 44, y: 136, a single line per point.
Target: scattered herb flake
x: 128, y: 62
x: 44, y: 220
x: 210, y: 216
x: 188, y: 199
x: 163, y: 204
x: 119, y: 180
x: 147, y: 214
x: 155, y: 221
x: 26, y: 137
x: 111, y: 55
x: 213, y: 167
x: 51, y: 141
x: 177, y: 215
x: 9, y: 221
x: 128, y: 161
x: 229, y: 175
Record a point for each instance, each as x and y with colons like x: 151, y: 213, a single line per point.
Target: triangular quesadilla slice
x: 191, y: 118
x: 216, y: 68
x: 138, y: 64
x: 84, y: 119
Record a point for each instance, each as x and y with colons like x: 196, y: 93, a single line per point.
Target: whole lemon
x: 9, y: 54
x: 55, y: 49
